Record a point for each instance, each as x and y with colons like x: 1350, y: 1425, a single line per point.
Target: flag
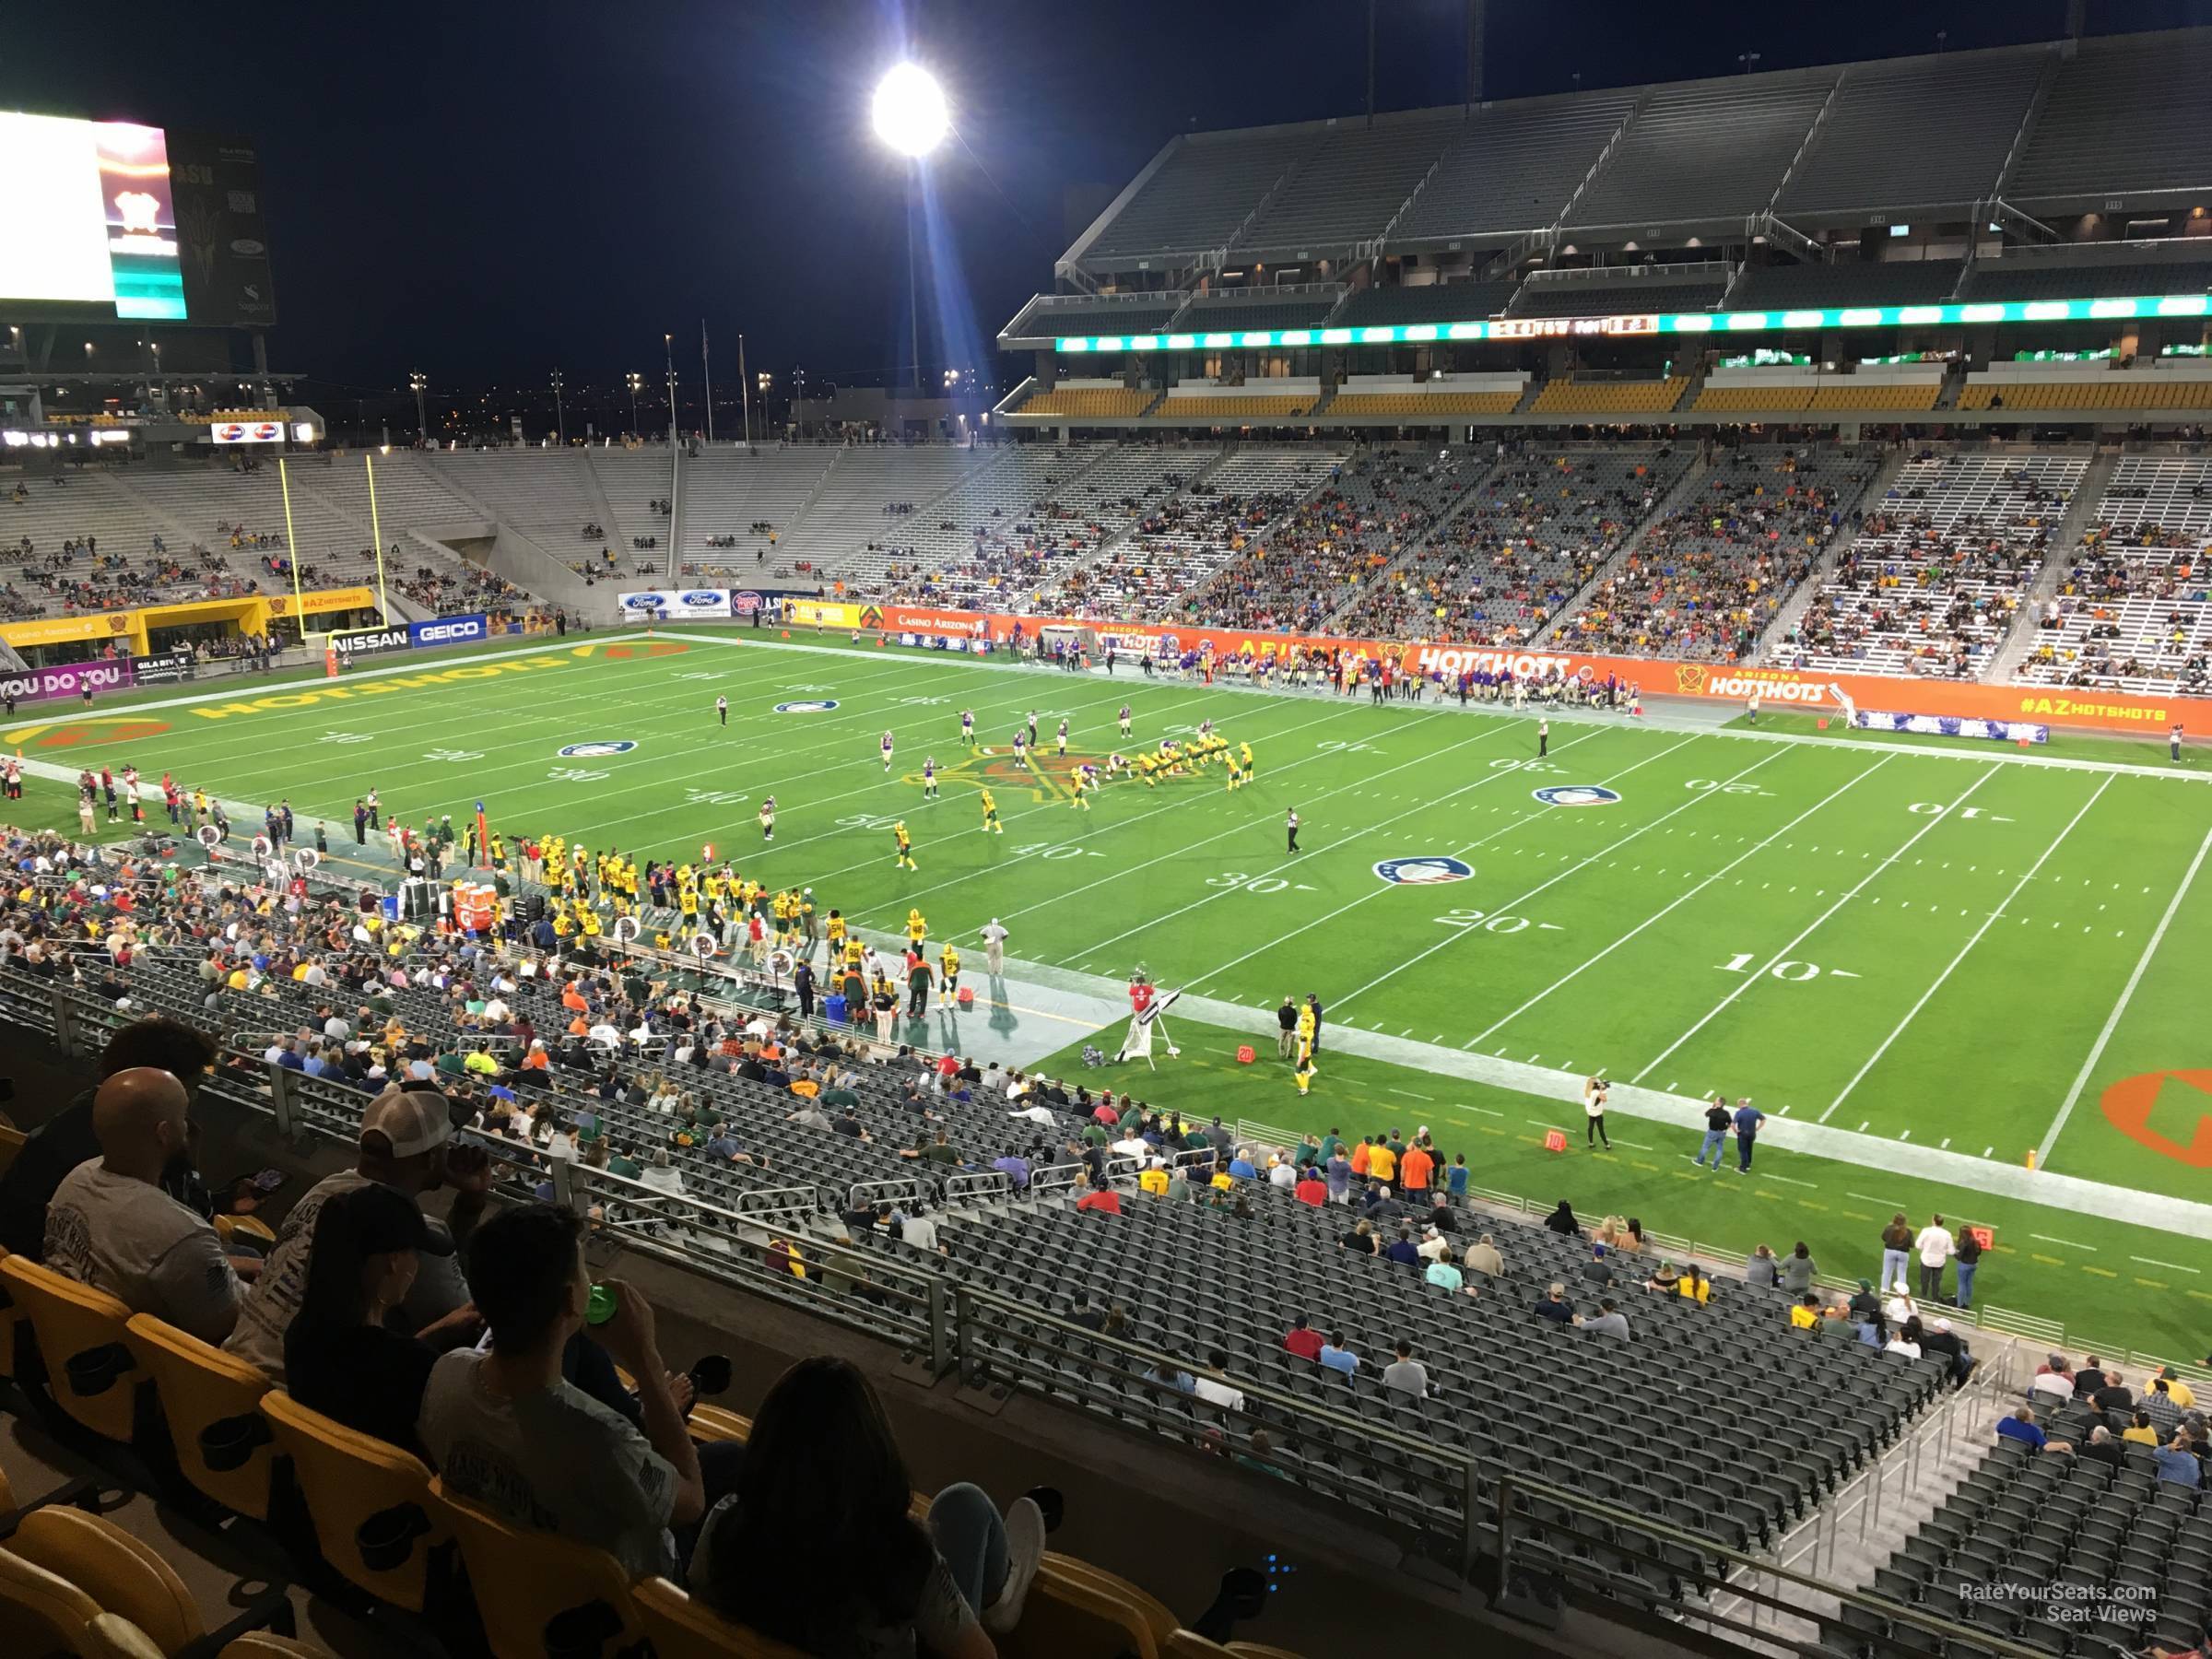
x: 483, y: 835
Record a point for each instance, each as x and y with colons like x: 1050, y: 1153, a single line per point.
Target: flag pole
x: 707, y: 375
x: 291, y: 547
x: 376, y: 528
x: 744, y: 391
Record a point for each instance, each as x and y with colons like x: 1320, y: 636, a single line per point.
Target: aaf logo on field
x: 599, y: 750
x: 1577, y: 795
x: 1424, y: 871
x: 817, y: 705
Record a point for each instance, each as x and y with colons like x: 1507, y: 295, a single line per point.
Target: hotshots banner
x: 70, y: 680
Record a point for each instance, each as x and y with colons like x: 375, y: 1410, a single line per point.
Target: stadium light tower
x: 417, y: 382
x: 668, y: 351
x: 561, y: 417
x: 912, y: 119
x: 636, y: 383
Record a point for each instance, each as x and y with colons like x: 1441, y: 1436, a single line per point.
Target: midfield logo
x: 1426, y: 870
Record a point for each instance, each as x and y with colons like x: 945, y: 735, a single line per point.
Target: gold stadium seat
x: 43, y: 1611
x: 1565, y: 396
x: 1089, y: 400
x: 1729, y: 400
x: 212, y: 1400
x: 89, y: 1370
x: 14, y: 1329
x: 368, y: 1502
x: 683, y: 1629
x: 1418, y: 404
x: 111, y: 1636
x: 1237, y: 410
x: 709, y: 1424
x: 540, y: 1595
x: 260, y: 1645
x: 12, y: 1140
x: 112, y: 1572
x: 1079, y: 1611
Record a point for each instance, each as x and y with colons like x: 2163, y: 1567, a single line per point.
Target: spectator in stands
x: 2141, y: 1433
x: 1805, y: 1313
x: 508, y: 1430
x: 1213, y: 1386
x: 1907, y: 1339
x: 1762, y: 1271
x: 339, y: 1357
x: 2021, y: 1425
x: 2054, y: 1378
x: 405, y: 1144
x: 2177, y: 1462
x: 2158, y: 1407
x: 1303, y: 1339
x: 1798, y: 1270
x: 1553, y: 1305
x: 1483, y: 1257
x: 1403, y: 1249
x: 1608, y: 1321
x: 2102, y: 1448
x: 2114, y: 1395
x: 1338, y: 1357
x: 1596, y: 1271
x: 1406, y: 1373
x: 112, y: 1226
x: 1561, y: 1221
x: 68, y: 1138
x: 816, y: 1547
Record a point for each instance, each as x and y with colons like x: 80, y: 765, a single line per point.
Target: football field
x: 1940, y: 960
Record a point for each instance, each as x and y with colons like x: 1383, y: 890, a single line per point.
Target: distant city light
x: 910, y: 112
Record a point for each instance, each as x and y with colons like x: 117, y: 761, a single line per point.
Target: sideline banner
x: 1776, y: 687
x: 677, y: 604
x: 449, y: 631
x: 39, y: 685
x: 370, y: 642
x: 163, y: 667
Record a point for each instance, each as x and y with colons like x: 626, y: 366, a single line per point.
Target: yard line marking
x: 2127, y: 992
x: 2069, y: 1243
x: 1783, y: 954
x: 1484, y: 1109
x: 1987, y: 1150
x: 1926, y: 997
x: 1411, y: 1096
x: 1947, y: 1144
x: 1864, y: 1198
x: 2154, y: 1261
x: 1513, y: 905
x: 1904, y: 1135
x: 1638, y: 1145
x: 1470, y: 847
x: 1786, y: 1179
x: 1693, y: 893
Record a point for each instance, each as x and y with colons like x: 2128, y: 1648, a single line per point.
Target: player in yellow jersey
x: 1303, y: 1070
x: 948, y: 975
x: 1235, y: 778
x: 833, y: 929
x: 1244, y: 753
x: 905, y: 861
x: 916, y: 928
x: 1085, y: 780
x: 991, y: 824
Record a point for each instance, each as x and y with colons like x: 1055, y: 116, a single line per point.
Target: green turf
x: 1905, y: 942
x: 2115, y: 1286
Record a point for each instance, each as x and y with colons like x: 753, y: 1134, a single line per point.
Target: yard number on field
x: 1937, y: 808
x: 1796, y: 972
x: 1239, y: 881
x: 1500, y: 923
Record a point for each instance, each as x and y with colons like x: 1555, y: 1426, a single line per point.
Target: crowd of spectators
x: 1707, y: 581
x: 1541, y: 524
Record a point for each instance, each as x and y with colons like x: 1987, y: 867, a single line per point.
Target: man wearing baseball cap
x: 405, y: 1144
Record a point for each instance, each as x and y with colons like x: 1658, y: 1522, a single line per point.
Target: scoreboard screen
x: 116, y: 220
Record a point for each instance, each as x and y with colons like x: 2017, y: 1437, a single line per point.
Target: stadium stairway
x: 1794, y: 608
x: 1687, y: 486
x: 2081, y: 513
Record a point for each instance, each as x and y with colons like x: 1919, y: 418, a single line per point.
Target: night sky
x: 487, y: 190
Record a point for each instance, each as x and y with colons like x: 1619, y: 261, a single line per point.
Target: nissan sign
x: 369, y: 642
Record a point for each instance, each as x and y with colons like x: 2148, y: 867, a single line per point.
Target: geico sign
x: 1521, y: 665
x: 433, y: 633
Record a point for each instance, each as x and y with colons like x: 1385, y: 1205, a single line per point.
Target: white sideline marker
x: 2069, y: 1243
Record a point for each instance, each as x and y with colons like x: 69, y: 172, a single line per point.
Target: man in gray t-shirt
x: 111, y: 1225
x: 406, y: 1135
x: 1606, y: 1322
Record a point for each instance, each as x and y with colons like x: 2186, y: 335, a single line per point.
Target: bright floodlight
x: 910, y: 111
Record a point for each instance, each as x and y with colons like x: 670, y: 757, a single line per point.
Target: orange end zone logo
x: 2130, y: 1104
x: 74, y: 733
x: 651, y: 648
